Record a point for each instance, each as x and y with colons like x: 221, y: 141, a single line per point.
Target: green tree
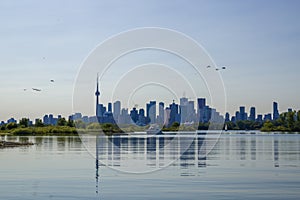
x: 38, y: 123
x: 290, y: 120
x: 24, y: 122
x: 11, y: 125
x: 268, y: 126
x: 61, y: 122
x: 70, y: 123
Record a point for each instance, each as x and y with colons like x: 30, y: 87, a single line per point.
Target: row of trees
x: 288, y: 121
x: 24, y: 123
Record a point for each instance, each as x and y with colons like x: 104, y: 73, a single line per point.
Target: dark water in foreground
x: 238, y: 167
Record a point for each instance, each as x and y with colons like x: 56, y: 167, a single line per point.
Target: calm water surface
x: 240, y: 166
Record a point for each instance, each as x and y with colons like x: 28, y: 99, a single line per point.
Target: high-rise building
x: 184, y: 109
x: 109, y: 107
x: 252, y: 115
x: 201, y: 103
x: 259, y: 118
x: 124, y: 117
x: 191, y: 112
x: 161, y: 113
x: 116, y: 110
x: 200, y: 109
x: 275, y: 111
x: 237, y: 116
x: 174, y: 115
x: 151, y: 111
x: 206, y: 114
x: 167, y: 116
x: 268, y: 117
x: 134, y: 115
x: 142, y: 119
x: 227, y: 117
x: 243, y: 114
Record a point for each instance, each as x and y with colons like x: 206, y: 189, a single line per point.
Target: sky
x: 258, y: 41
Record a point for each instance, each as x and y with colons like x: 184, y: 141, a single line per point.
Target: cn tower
x: 97, y: 93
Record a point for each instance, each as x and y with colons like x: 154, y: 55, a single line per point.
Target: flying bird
x: 208, y: 66
x: 36, y: 89
x: 223, y: 67
x: 52, y: 80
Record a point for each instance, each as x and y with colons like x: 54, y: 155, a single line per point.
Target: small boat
x: 154, y: 129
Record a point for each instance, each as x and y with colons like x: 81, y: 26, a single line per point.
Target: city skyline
x: 185, y: 106
x: 258, y: 41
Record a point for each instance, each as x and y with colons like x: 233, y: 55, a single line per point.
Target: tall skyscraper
x: 161, y: 113
x: 227, y: 117
x: 200, y: 108
x: 173, y: 113
x: 237, y: 116
x: 275, y: 111
x: 109, y: 107
x: 243, y: 115
x: 151, y: 111
x: 134, y: 115
x: 191, y: 111
x: 252, y: 114
x: 201, y: 103
x: 184, y: 109
x: 117, y: 110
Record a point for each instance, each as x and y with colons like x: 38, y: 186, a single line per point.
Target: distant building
x: 259, y: 118
x: 252, y: 115
x: 268, y: 117
x: 237, y: 116
x: 117, y: 110
x: 227, y: 117
x: 124, y: 117
x: 109, y: 107
x: 174, y: 114
x: 134, y: 115
x: 142, y: 120
x: 161, y: 113
x: 233, y: 119
x: 151, y: 111
x: 275, y: 111
x: 191, y: 112
x: 184, y: 109
x: 200, y: 109
x: 167, y: 116
x: 243, y: 114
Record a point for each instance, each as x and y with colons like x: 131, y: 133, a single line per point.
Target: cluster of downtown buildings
x: 242, y: 115
x: 183, y: 113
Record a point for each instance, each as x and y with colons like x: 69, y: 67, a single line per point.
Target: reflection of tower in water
x: 97, y: 164
x: 156, y: 152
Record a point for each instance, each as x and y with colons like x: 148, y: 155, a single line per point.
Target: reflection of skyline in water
x: 231, y: 152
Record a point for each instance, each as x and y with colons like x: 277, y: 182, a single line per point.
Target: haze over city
x: 257, y: 41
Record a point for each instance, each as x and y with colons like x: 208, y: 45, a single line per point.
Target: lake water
x: 239, y: 166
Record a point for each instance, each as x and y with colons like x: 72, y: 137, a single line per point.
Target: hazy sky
x: 259, y: 41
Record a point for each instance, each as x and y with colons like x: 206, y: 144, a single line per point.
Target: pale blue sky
x: 259, y: 41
